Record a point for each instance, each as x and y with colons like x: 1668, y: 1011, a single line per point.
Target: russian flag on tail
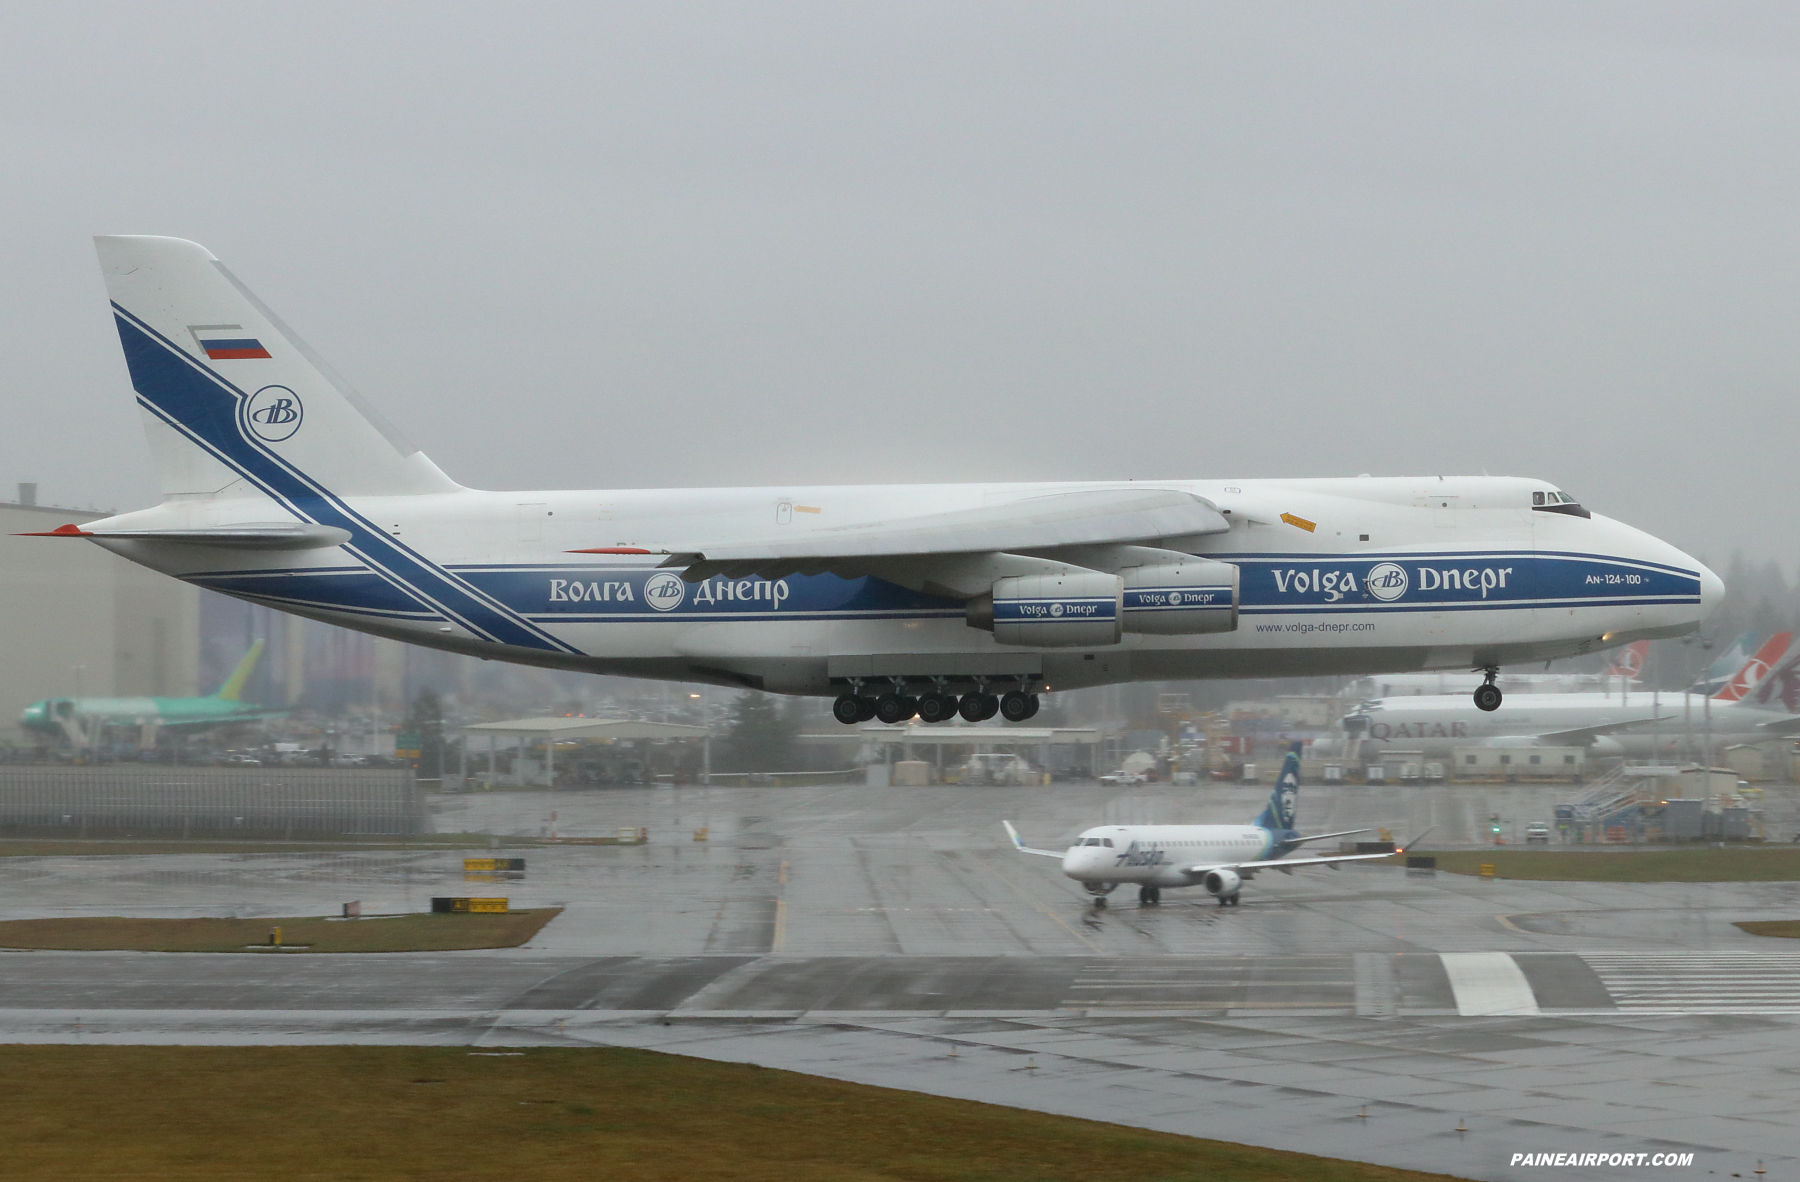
x: 226, y: 342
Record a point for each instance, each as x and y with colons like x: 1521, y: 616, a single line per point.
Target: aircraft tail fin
x: 1780, y: 689
x: 1727, y: 663
x: 1751, y: 675
x: 1630, y: 662
x: 1279, y: 814
x: 232, y: 398
x: 234, y: 685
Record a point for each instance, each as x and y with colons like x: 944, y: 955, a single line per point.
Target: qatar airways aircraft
x: 283, y: 487
x: 1220, y: 858
x: 1757, y: 704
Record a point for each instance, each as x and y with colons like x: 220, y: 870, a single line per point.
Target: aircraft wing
x: 1323, y: 836
x: 1583, y: 734
x: 1019, y: 845
x: 1284, y: 863
x: 1781, y: 726
x: 1086, y: 518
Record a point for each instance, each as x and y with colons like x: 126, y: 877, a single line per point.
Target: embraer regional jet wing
x: 1284, y: 863
x: 1087, y: 518
x: 1323, y: 836
x: 1019, y: 845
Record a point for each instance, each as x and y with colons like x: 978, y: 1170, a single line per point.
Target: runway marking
x: 1721, y: 982
x: 1488, y: 983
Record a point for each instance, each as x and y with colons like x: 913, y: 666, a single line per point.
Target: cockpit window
x: 1107, y: 842
x: 1558, y: 502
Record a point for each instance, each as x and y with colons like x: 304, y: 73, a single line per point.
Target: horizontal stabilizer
x: 274, y: 535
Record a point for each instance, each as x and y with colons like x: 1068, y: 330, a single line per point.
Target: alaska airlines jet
x: 81, y: 718
x: 1218, y: 857
x: 283, y: 487
x: 1760, y: 702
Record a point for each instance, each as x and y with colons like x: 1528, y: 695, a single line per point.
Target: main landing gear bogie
x: 975, y: 706
x: 1149, y: 896
x: 1230, y: 900
x: 1487, y: 694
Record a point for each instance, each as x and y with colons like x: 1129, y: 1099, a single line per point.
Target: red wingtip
x: 612, y: 550
x: 61, y: 531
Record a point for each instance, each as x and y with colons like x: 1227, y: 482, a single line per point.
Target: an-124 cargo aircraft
x: 1220, y: 858
x: 283, y: 487
x: 1758, y: 703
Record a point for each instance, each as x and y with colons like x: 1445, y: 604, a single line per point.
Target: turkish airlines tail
x: 1756, y: 669
x: 1630, y: 662
x: 234, y: 403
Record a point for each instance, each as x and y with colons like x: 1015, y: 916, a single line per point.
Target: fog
x: 634, y: 245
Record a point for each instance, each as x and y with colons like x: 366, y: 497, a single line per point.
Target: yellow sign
x: 1300, y: 522
x: 1487, y: 870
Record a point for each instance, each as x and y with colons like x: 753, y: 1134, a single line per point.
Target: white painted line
x: 1488, y: 983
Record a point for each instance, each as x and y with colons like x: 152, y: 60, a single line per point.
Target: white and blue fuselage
x: 282, y: 487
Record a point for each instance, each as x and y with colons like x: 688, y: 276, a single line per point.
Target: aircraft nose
x: 1712, y: 591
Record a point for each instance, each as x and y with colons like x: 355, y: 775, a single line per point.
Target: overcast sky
x: 689, y: 244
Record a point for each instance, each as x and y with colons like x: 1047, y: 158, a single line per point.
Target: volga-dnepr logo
x: 274, y: 413
x: 1386, y: 581
x: 664, y: 592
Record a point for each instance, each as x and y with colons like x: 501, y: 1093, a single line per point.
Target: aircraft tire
x: 867, y: 709
x: 1031, y: 712
x: 893, y: 708
x: 970, y: 708
x: 1099, y: 902
x: 1487, y: 697
x: 936, y: 707
x: 1015, y: 706
x: 990, y: 706
x: 847, y: 709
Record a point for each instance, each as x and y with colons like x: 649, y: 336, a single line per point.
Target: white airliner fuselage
x: 283, y: 488
x: 1220, y: 858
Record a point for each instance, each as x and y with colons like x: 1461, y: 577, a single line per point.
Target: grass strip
x: 419, y: 932
x: 304, y: 1113
x: 1704, y: 864
x: 61, y: 847
x: 1789, y: 928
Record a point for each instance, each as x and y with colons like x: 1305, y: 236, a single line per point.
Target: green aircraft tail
x: 234, y: 685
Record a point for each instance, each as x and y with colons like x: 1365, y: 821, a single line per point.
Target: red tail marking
x: 1755, y: 669
x: 61, y: 531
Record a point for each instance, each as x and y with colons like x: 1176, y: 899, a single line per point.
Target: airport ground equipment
x: 283, y: 487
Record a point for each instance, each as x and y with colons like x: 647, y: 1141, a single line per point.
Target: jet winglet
x: 1019, y: 844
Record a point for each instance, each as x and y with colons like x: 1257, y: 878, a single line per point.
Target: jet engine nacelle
x: 1077, y: 609
x: 1222, y: 882
x: 1197, y: 596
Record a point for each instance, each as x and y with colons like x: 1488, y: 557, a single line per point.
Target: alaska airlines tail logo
x: 274, y: 413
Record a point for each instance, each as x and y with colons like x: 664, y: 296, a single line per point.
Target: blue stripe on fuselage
x: 206, y: 408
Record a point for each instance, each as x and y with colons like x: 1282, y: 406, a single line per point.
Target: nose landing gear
x: 1487, y: 694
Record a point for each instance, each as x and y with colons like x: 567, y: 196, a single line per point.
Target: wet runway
x: 867, y: 933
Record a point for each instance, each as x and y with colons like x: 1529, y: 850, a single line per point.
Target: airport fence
x: 274, y: 802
